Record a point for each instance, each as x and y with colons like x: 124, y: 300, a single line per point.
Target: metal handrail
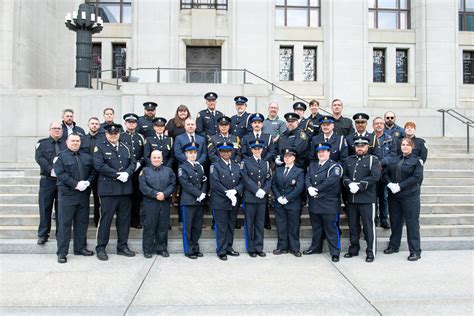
x: 461, y: 118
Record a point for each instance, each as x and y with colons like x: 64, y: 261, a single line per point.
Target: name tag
x: 108, y: 153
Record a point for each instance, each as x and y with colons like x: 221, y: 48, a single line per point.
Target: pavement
x: 440, y: 283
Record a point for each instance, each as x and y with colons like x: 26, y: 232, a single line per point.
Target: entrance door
x: 203, y: 64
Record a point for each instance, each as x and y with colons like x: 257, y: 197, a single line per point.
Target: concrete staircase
x: 447, y: 219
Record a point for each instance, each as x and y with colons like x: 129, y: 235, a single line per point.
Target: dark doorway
x: 203, y: 64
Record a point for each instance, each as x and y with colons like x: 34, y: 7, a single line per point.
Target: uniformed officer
x: 206, y: 120
x: 404, y: 174
x: 47, y: 149
x: 160, y: 142
x: 265, y: 140
x: 339, y: 151
x: 294, y: 138
x: 136, y: 143
x: 145, y: 122
x: 323, y: 183
x: 305, y: 124
x: 342, y: 125
x: 75, y: 173
x: 361, y: 173
x: 287, y: 186
x: 360, y: 120
x: 315, y: 115
x: 256, y: 178
x: 221, y: 137
x: 226, y: 189
x: 194, y: 186
x: 419, y: 149
x: 109, y: 116
x: 240, y: 125
x: 115, y: 164
x: 157, y: 183
x: 69, y: 126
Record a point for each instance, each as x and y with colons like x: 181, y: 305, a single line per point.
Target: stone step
x: 449, y: 163
x: 443, y: 189
x: 19, y: 188
x: 446, y: 182
x: 448, y: 173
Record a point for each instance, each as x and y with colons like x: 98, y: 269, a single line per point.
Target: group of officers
x: 247, y: 162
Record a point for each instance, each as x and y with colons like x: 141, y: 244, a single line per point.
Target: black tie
x: 258, y: 161
x: 79, y: 166
x: 398, y: 173
x: 257, y: 136
x: 56, y: 148
x: 192, y: 139
x: 160, y: 138
x: 230, y: 167
x: 327, y: 140
x: 287, y: 169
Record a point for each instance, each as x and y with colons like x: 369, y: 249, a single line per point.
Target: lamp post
x: 84, y: 23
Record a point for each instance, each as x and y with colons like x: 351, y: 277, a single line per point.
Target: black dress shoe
x: 42, y: 240
x: 163, y: 253
x: 199, y: 254
x: 84, y: 252
x: 277, y: 252
x: 267, y: 226
x: 253, y: 254
x: 126, y: 252
x: 384, y: 225
x: 351, y: 254
x: 233, y: 253
x: 62, y: 259
x: 311, y: 252
x: 261, y: 254
x: 370, y: 257
x: 335, y: 258
x: 414, y: 257
x: 297, y: 253
x: 390, y: 250
x: 102, y: 256
x: 191, y: 256
x: 137, y: 226
x: 147, y: 255
x: 223, y: 257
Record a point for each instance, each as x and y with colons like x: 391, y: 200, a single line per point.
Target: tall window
x: 466, y: 15
x: 96, y: 60
x: 389, y: 14
x: 468, y: 67
x: 119, y: 58
x: 309, y: 60
x: 113, y: 11
x: 379, y: 65
x: 402, y: 65
x: 286, y: 63
x: 297, y: 13
x: 204, y: 4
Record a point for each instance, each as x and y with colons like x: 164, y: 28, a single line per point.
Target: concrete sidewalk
x: 440, y: 283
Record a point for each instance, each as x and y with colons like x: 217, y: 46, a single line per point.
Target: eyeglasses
x: 361, y: 122
x: 389, y: 117
x: 56, y: 128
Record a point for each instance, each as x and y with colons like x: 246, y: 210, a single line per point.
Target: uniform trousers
x: 137, y: 198
x: 254, y: 221
x: 224, y: 229
x: 327, y: 223
x: 382, y: 205
x: 156, y: 220
x: 192, y: 227
x: 366, y: 212
x: 288, y: 227
x: 47, y: 197
x: 96, y: 203
x: 405, y: 209
x: 110, y: 205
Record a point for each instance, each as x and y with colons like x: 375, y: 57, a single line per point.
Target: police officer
x: 157, y: 183
x: 226, y: 189
x: 256, y: 178
x: 294, y: 138
x: 160, y: 142
x: 109, y: 116
x: 420, y: 149
x: 323, y: 183
x: 136, y: 143
x: 287, y: 186
x: 75, y: 173
x: 115, y: 165
x: 342, y: 125
x: 315, y: 115
x: 305, y: 124
x: 339, y: 151
x: 403, y: 175
x: 240, y: 125
x: 360, y: 120
x: 221, y: 137
x: 69, y: 126
x: 194, y: 186
x: 47, y: 149
x: 361, y: 173
x: 145, y: 122
x: 206, y: 120
x: 265, y: 140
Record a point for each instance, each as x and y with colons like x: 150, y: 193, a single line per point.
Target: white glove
x: 353, y: 187
x: 390, y: 186
x: 122, y: 176
x: 312, y: 191
x: 282, y: 200
x: 201, y: 197
x: 233, y: 201
x: 278, y: 161
x: 87, y: 183
x: 260, y: 194
x: 53, y: 174
x: 138, y: 166
x: 231, y: 193
x: 395, y: 188
x: 81, y: 186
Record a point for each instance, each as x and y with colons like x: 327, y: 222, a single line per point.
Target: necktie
x: 160, y: 138
x: 326, y: 140
x: 258, y: 161
x: 192, y: 139
x: 257, y: 136
x: 230, y: 166
x: 92, y: 145
x: 398, y: 173
x: 56, y: 148
x: 79, y: 166
x: 287, y: 169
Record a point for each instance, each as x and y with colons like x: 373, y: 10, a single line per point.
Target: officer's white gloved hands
x: 138, y: 166
x: 122, y: 176
x: 233, y: 201
x: 81, y: 186
x: 282, y: 200
x: 201, y: 197
x: 395, y: 188
x: 260, y: 194
x: 391, y: 186
x: 230, y: 193
x: 87, y: 183
x: 278, y: 161
x: 53, y: 174
x: 353, y: 187
x: 312, y: 191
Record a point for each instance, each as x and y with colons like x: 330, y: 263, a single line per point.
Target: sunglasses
x: 390, y: 117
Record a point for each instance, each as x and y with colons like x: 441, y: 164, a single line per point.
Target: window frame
x: 122, y: 72
x: 315, y: 48
x: 398, y: 10
x: 121, y: 4
x: 308, y: 9
x: 407, y: 54
x: 462, y: 13
x: 291, y: 76
x: 196, y: 4
x: 471, y: 76
x: 384, y: 64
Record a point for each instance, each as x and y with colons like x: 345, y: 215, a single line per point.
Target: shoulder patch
x: 337, y: 170
x: 421, y: 161
x: 96, y: 149
x: 198, y: 115
x: 141, y: 173
x: 180, y: 172
x: 37, y: 145
x: 211, y: 170
x: 303, y: 135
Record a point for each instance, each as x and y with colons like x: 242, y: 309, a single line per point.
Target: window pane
x: 110, y: 13
x: 314, y: 3
x: 371, y: 19
x: 300, y: 3
x: 314, y: 18
x: 387, y: 4
x: 461, y: 5
x: 280, y: 2
x: 402, y: 65
x: 403, y: 20
x: 372, y: 4
x: 297, y: 17
x: 309, y: 64
x: 119, y: 57
x: 96, y: 60
x: 468, y: 65
x: 286, y: 63
x: 379, y: 65
x: 280, y: 17
x: 469, y: 5
x: 469, y: 18
x: 127, y: 13
x: 387, y: 20
x: 403, y: 4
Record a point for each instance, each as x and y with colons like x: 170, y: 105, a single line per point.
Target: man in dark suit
x: 69, y: 126
x: 190, y: 137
